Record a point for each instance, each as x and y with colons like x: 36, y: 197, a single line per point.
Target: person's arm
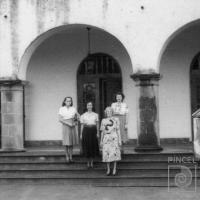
x: 78, y: 116
x: 64, y: 121
x: 97, y: 124
x: 126, y: 121
x: 126, y: 117
x: 97, y: 129
x: 82, y: 125
x: 102, y: 133
x: 101, y: 140
x: 81, y: 134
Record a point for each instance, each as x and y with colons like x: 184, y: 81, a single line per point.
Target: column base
x: 11, y: 150
x: 148, y: 148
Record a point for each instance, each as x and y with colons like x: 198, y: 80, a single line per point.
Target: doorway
x: 98, y: 79
x: 195, y: 85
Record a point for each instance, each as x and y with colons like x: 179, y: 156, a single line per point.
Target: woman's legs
x: 70, y: 152
x: 108, y: 169
x: 114, y: 168
x: 91, y: 162
x: 67, y: 153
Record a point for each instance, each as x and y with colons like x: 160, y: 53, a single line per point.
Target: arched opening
x: 98, y: 79
x: 195, y: 83
x: 52, y: 72
x: 178, y: 88
x: 195, y: 86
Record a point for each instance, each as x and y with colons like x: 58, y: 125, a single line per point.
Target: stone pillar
x: 147, y: 114
x: 12, y: 115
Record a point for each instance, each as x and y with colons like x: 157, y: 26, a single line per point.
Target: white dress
x: 111, y: 139
x: 70, y: 134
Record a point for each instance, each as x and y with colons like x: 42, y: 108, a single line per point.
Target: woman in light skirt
x: 120, y: 110
x: 68, y: 116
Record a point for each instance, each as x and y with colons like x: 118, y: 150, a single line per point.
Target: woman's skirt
x: 70, y: 135
x: 90, y: 147
x: 123, y: 131
x: 111, y: 150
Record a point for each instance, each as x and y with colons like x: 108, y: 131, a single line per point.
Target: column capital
x: 146, y: 77
x: 7, y: 82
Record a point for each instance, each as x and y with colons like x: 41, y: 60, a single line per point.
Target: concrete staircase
x: 135, y: 169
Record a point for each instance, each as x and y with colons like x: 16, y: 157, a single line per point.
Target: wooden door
x: 195, y: 91
x: 88, y: 90
x: 98, y: 79
x: 108, y: 88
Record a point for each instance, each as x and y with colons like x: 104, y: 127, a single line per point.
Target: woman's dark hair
x: 85, y: 109
x: 64, y: 104
x: 91, y: 103
x: 119, y: 93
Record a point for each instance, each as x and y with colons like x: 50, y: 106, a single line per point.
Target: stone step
x: 96, y: 173
x: 112, y: 181
x: 54, y: 153
x: 82, y: 165
x: 135, y: 169
x: 131, y: 157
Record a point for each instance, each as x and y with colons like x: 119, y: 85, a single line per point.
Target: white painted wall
x: 52, y: 76
x: 174, y: 98
x: 143, y: 32
x: 142, y: 26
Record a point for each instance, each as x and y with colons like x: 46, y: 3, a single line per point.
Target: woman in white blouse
x: 68, y: 116
x: 120, y: 110
x: 89, y: 134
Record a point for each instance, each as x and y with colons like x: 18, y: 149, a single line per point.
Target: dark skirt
x: 90, y: 147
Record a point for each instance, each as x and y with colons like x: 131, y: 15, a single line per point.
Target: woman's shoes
x: 91, y: 164
x: 67, y: 159
x: 108, y: 173
x: 114, y: 172
x: 88, y: 164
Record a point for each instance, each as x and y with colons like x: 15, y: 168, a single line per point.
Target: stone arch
x: 172, y: 36
x: 51, y: 62
x: 175, y: 87
x: 30, y: 49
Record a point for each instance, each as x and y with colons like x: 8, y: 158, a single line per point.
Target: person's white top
x: 89, y: 118
x: 67, y: 113
x: 119, y: 108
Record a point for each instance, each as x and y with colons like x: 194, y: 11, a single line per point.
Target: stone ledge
x: 43, y: 143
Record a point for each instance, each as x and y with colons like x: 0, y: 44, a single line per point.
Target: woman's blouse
x: 119, y: 108
x: 67, y: 113
x: 89, y: 118
x: 109, y: 125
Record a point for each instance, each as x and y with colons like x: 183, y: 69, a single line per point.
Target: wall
x: 175, y: 109
x: 142, y: 26
x: 52, y: 76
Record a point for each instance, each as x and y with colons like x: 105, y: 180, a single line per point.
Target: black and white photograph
x: 99, y: 99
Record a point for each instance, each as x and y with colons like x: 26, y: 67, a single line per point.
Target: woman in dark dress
x: 89, y: 134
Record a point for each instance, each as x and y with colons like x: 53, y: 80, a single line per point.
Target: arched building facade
x: 43, y: 44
